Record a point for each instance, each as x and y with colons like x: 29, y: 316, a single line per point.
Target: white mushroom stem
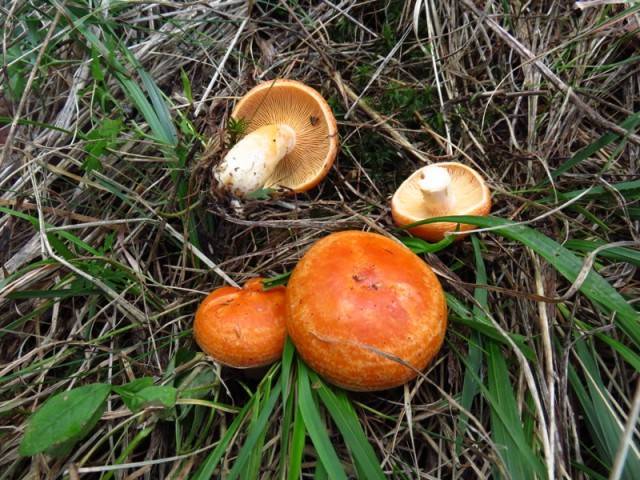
x: 251, y: 161
x: 435, y: 186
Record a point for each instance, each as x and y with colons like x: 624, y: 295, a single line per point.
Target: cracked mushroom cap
x: 468, y: 195
x: 364, y: 311
x: 242, y: 327
x: 292, y: 103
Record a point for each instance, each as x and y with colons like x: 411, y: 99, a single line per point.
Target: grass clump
x: 109, y: 237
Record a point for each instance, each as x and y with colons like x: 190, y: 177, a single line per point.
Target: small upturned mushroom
x: 290, y: 144
x: 242, y: 327
x: 447, y: 188
x: 364, y: 311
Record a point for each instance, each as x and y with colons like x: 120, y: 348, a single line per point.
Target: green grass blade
x: 137, y: 96
x: 417, y: 245
x: 506, y: 425
x: 296, y: 448
x: 207, y: 468
x: 316, y: 428
x: 630, y: 124
x: 603, y: 422
x: 345, y: 418
x: 255, y: 432
x: 628, y: 189
x: 287, y: 363
x: 470, y: 386
x: 617, y: 254
x: 160, y: 107
x: 288, y: 405
x: 252, y: 468
x: 596, y: 288
x: 464, y: 316
x: 60, y: 233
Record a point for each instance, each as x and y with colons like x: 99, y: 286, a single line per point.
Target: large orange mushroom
x: 364, y: 311
x: 290, y: 144
x: 242, y: 327
x: 447, y: 188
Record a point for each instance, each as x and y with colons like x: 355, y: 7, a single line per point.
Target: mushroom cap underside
x: 302, y: 108
x: 469, y: 190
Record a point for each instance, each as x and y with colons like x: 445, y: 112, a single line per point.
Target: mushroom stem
x: 434, y: 184
x: 249, y: 164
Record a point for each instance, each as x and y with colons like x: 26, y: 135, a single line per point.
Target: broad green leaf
x: 155, y: 396
x: 133, y: 386
x: 141, y: 393
x: 596, y: 288
x: 64, y: 419
x: 98, y: 140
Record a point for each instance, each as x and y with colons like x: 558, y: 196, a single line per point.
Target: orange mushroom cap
x: 361, y: 308
x: 451, y: 189
x: 242, y: 327
x: 296, y: 105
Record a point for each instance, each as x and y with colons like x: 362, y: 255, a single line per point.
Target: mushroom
x: 242, y: 327
x: 364, y: 311
x: 447, y: 188
x: 290, y: 144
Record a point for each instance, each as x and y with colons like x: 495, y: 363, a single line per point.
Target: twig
x: 221, y: 66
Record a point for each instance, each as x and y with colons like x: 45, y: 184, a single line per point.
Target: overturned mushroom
x: 290, y: 144
x: 447, y: 188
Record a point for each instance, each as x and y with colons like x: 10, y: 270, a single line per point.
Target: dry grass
x: 515, y: 93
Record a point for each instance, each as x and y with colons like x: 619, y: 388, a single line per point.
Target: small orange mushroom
x: 364, y: 311
x: 242, y: 327
x: 291, y: 140
x: 447, y: 188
